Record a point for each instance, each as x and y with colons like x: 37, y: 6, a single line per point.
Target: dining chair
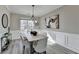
x: 41, y: 45
x: 26, y: 45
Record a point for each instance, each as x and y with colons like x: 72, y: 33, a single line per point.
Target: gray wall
x: 3, y: 10
x: 15, y: 20
x: 69, y: 19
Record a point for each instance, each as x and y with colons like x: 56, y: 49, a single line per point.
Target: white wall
x: 15, y: 20
x: 3, y: 10
x: 69, y: 19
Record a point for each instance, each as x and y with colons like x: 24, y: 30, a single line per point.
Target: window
x: 26, y: 24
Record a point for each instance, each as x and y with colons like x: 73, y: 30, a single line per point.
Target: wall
x: 69, y: 19
x: 15, y: 20
x: 3, y: 10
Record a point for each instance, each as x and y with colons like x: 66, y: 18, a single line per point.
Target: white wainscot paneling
x: 68, y: 40
x: 60, y: 38
x: 73, y: 41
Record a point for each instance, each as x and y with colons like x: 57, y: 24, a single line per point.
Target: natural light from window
x: 26, y: 24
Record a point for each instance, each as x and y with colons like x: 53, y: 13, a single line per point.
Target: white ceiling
x: 40, y: 10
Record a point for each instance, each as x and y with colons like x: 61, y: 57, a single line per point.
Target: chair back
x: 41, y: 45
x: 26, y: 45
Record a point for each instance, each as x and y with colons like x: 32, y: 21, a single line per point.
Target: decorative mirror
x: 5, y: 20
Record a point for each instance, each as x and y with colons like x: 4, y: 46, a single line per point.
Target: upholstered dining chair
x: 40, y: 47
x: 26, y: 45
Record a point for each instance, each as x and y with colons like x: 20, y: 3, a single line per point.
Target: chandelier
x: 33, y: 17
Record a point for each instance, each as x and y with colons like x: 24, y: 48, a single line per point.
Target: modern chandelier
x: 33, y: 17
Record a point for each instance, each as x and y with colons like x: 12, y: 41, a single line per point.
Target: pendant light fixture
x: 33, y: 17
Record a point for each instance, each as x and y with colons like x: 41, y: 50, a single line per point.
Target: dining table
x: 31, y: 38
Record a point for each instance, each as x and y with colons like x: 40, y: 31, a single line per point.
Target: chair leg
x: 44, y: 52
x: 23, y: 49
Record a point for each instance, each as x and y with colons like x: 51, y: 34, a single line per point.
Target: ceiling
x: 40, y: 10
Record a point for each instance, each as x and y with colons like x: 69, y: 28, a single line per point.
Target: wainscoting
x: 67, y: 40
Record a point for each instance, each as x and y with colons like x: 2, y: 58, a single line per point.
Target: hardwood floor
x: 16, y: 47
x: 54, y: 48
x: 57, y: 49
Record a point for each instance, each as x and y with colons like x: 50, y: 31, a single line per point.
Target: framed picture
x: 52, y: 22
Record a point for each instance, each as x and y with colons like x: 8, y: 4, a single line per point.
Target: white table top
x: 31, y: 38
